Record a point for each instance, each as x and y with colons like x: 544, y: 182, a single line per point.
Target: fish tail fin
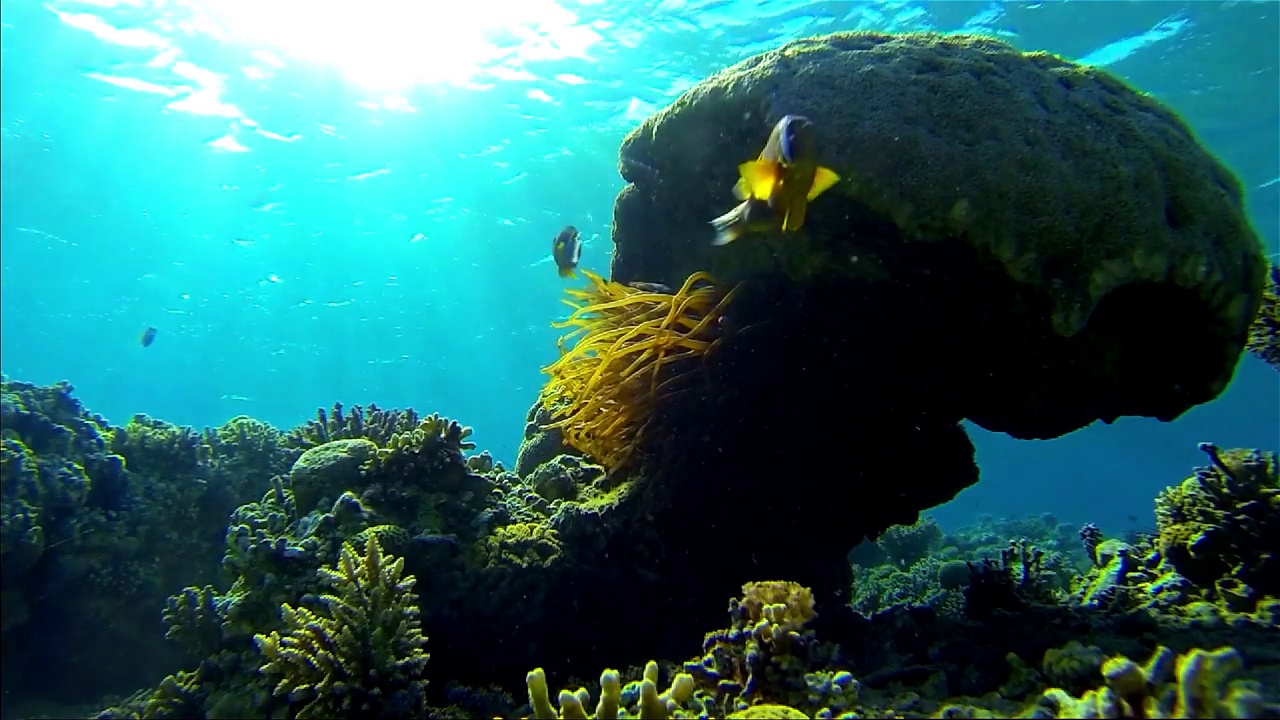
x: 823, y: 180
x: 730, y: 226
x: 793, y: 218
x: 567, y: 273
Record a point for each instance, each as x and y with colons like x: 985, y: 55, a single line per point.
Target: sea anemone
x: 632, y: 346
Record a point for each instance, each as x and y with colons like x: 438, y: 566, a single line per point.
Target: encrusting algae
x: 632, y: 347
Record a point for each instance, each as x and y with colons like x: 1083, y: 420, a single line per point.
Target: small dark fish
x: 776, y: 188
x: 148, y: 337
x: 1132, y: 518
x: 566, y: 250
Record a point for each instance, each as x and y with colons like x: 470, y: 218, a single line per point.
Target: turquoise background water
x: 355, y: 200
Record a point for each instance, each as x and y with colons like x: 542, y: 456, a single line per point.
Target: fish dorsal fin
x: 760, y: 176
x: 823, y: 179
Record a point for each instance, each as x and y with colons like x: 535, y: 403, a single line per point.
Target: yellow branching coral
x: 647, y: 702
x: 1197, y: 684
x: 632, y: 346
x: 364, y: 657
x: 781, y: 602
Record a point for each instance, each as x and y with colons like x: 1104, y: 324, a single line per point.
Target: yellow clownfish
x: 566, y: 250
x: 776, y: 189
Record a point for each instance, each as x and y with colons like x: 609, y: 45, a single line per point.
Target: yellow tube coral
x: 632, y: 346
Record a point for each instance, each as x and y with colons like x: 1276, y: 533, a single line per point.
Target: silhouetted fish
x: 148, y: 337
x: 566, y: 249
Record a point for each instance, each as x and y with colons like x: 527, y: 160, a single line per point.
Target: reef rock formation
x: 1017, y: 240
x: 1049, y: 246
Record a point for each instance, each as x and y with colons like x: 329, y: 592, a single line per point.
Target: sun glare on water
x: 393, y: 44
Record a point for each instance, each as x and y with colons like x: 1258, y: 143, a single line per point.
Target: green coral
x: 177, y: 696
x: 908, y: 544
x: 376, y: 425
x: 522, y: 545
x: 362, y: 655
x: 568, y: 477
x: 433, y: 431
x: 246, y: 453
x: 1210, y: 560
x: 325, y: 471
x: 52, y: 453
x: 272, y: 554
x: 194, y: 617
x: 881, y: 587
x: 1219, y: 527
x: 158, y: 448
x: 1264, y: 332
x: 1072, y: 665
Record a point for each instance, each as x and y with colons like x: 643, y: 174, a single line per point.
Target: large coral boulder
x: 325, y: 471
x: 1064, y: 246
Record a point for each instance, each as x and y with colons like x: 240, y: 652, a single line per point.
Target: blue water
x: 355, y: 201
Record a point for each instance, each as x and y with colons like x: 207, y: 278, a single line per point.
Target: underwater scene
x: 639, y: 359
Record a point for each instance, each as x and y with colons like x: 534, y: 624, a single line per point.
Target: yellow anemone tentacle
x: 626, y: 348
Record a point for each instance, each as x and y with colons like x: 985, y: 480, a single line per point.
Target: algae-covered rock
x: 326, y: 470
x: 1075, y: 225
x: 540, y: 443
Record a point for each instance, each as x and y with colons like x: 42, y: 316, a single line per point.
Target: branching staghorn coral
x: 632, y: 346
x: 363, y: 656
x: 1264, y: 332
x: 373, y: 424
x: 1219, y: 527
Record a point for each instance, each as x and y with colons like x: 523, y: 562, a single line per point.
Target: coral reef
x: 768, y: 619
x: 1067, y: 230
x: 1264, y: 332
x: 100, y: 523
x: 378, y: 427
x: 638, y: 700
x: 765, y: 651
x: 908, y: 544
x: 1210, y: 559
x: 1045, y: 296
x: 362, y: 656
x: 1220, y: 527
x: 1008, y: 642
x: 1197, y: 684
